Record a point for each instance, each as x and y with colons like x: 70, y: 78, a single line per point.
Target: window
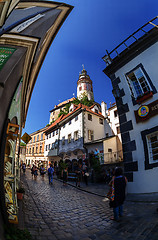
x: 69, y: 122
x: 64, y: 126
x: 89, y: 117
x: 96, y: 110
x: 40, y: 149
x: 34, y: 138
x: 36, y: 149
x: 38, y: 137
x: 118, y: 130
x: 52, y: 145
x: 76, y: 118
x: 76, y: 135
x: 101, y: 121
x: 152, y: 140
x: 63, y: 140
x: 53, y: 133
x: 57, y: 132
x: 107, y: 134
x: 138, y: 82
x: 90, y: 135
x: 30, y: 150
x: 41, y: 136
x: 33, y: 150
x: 49, y: 135
x: 110, y: 150
x: 115, y: 113
x: 69, y: 138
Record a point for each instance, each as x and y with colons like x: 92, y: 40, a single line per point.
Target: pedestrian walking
x: 65, y: 176
x: 79, y: 175
x: 24, y: 167
x: 50, y: 174
x: 35, y: 172
x: 42, y: 169
x: 85, y: 173
x: 117, y: 193
x: 32, y: 171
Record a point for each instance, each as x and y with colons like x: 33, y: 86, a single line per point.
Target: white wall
x: 93, y: 125
x: 50, y: 140
x: 70, y: 129
x: 144, y: 180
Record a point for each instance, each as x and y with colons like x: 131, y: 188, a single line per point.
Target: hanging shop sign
x: 5, y: 54
x: 146, y: 111
x: 26, y: 138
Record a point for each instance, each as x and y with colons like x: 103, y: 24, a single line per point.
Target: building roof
x: 64, y: 117
x: 141, y: 39
x: 62, y: 104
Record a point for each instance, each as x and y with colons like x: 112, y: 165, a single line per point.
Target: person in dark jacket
x: 118, y: 186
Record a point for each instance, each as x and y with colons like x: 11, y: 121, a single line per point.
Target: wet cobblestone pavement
x: 57, y: 212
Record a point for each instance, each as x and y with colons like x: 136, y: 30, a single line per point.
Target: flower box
x: 144, y: 97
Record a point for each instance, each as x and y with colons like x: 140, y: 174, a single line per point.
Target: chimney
x: 104, y: 109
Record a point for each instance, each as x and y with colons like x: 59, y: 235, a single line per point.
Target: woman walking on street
x: 65, y: 176
x: 117, y: 193
x: 35, y: 172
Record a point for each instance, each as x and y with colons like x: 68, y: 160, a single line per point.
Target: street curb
x: 103, y: 196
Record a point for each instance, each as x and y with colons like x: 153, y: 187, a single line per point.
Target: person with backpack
x: 50, y: 174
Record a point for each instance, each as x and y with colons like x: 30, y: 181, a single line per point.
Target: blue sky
x: 92, y: 27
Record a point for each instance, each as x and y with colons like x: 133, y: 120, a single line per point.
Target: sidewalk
x: 101, y: 189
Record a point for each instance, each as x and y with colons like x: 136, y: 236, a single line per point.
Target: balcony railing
x: 126, y: 44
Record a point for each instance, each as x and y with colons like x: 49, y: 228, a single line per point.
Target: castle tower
x: 84, y: 86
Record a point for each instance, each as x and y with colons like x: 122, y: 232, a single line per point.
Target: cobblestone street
x: 64, y: 212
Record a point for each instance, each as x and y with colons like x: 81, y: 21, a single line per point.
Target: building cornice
x: 135, y: 49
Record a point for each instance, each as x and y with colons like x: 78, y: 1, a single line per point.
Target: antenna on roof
x: 83, y: 66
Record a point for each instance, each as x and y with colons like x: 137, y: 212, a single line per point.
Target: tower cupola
x: 84, y: 86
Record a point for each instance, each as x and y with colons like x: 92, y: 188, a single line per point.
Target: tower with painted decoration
x: 84, y: 86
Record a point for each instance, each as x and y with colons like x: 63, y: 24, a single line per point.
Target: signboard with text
x: 5, y: 54
x: 146, y: 111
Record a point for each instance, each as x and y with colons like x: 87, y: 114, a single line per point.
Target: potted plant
x: 20, y: 192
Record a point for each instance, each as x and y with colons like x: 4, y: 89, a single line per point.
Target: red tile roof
x: 79, y: 106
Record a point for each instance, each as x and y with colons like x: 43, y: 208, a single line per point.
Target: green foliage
x: 76, y: 101
x: 95, y: 163
x: 52, y: 122
x: 48, y: 125
x: 84, y: 100
x: 63, y: 165
x: 13, y: 233
x: 22, y: 144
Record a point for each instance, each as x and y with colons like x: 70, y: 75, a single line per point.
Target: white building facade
x: 134, y: 79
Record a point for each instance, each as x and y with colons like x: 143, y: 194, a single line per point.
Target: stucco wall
x: 143, y: 180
